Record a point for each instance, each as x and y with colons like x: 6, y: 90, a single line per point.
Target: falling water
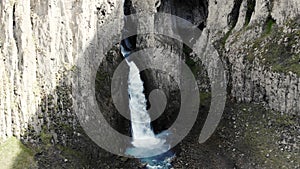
x: 145, y: 142
x: 142, y: 134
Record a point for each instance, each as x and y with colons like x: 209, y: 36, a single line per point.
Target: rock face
x: 42, y: 41
x: 263, y: 55
x: 248, y: 29
x: 39, y: 45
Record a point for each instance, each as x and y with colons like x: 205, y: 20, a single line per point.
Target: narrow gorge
x: 63, y: 65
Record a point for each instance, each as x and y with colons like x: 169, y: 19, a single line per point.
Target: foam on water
x: 145, y: 143
x: 140, y: 119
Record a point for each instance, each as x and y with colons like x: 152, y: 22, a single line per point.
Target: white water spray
x: 145, y: 142
x: 142, y: 133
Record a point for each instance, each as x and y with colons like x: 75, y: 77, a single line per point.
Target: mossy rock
x: 262, y: 132
x: 14, y: 155
x: 274, y: 48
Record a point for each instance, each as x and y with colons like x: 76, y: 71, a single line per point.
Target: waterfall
x: 145, y: 142
x: 142, y: 133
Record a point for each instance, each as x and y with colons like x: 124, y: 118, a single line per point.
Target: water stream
x: 142, y: 134
x: 144, y: 141
x: 145, y: 144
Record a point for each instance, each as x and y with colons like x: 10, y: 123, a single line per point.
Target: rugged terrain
x: 45, y: 44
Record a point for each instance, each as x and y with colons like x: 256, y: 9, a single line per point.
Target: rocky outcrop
x: 258, y: 75
x: 246, y: 29
x: 39, y: 46
x: 41, y: 42
x: 263, y: 56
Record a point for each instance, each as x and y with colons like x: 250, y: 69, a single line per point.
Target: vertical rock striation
x: 39, y: 45
x: 41, y: 41
x: 254, y: 50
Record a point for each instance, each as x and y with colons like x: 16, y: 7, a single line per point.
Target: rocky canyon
x: 45, y: 47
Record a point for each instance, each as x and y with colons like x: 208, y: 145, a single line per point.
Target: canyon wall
x: 41, y: 42
x: 260, y: 43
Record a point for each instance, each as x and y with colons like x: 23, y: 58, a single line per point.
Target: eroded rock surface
x: 42, y: 41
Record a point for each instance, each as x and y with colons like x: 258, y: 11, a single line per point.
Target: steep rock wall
x: 39, y: 46
x: 243, y: 29
x: 40, y: 42
x: 262, y: 50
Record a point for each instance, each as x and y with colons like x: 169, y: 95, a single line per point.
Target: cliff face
x: 41, y: 42
x: 259, y: 41
x: 261, y: 45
